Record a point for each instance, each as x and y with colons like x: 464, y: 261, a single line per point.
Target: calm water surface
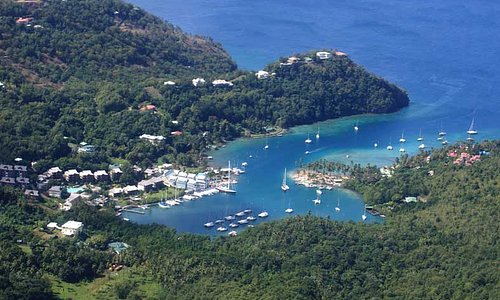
x: 445, y: 54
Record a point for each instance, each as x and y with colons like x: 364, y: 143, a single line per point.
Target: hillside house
x: 71, y: 175
x: 72, y: 228
x: 101, y: 175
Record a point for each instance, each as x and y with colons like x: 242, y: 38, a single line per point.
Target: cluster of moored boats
x: 236, y: 220
x: 194, y: 196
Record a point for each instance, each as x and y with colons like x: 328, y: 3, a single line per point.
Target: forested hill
x: 95, y: 40
x: 105, y: 72
x: 445, y: 246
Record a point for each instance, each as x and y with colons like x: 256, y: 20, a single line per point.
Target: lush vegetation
x: 83, y: 69
x: 444, y: 248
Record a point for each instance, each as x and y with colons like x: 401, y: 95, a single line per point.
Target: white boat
x: 243, y: 221
x: 441, y: 132
x: 219, y: 221
x: 221, y: 229
x: 375, y: 145
x: 337, y: 208
x: 308, y: 140
x: 247, y: 211
x: 356, y: 128
x: 317, y: 134
x: 263, y: 214
x: 389, y: 147
x: 284, y: 186
x: 440, y: 138
x: 289, y: 210
x: 232, y: 233
x: 445, y: 142
x: 251, y: 218
x: 244, y: 164
x: 226, y: 186
x: 163, y: 204
x: 307, y: 152
x: 240, y: 214
x: 421, y: 146
x: 402, y: 139
x: 364, y: 214
x: 470, y: 139
x: 233, y: 225
x: 209, y: 224
x: 471, y: 130
x: 229, y: 218
x: 402, y: 150
x: 318, y: 194
x: 420, y: 137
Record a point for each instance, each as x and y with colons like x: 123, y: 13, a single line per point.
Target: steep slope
x: 98, y: 71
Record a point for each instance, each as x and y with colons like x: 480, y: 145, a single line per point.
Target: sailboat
x: 317, y: 200
x: 420, y: 137
x: 356, y: 128
x: 226, y: 186
x: 337, y: 208
x: 284, y: 186
x: 441, y: 132
x: 471, y: 130
x: 317, y: 133
x: 389, y: 147
x: 267, y: 144
x: 363, y: 216
x: 163, y: 204
x: 308, y: 140
x: 402, y: 139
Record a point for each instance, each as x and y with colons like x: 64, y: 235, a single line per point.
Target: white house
x: 87, y: 176
x: 152, y: 138
x: 101, y: 175
x: 70, y: 201
x: 221, y: 82
x: 115, y: 192
x: 323, y: 55
x: 72, y: 228
x: 131, y: 189
x: 71, y: 175
x: 262, y: 74
x: 181, y: 183
x: 54, y: 172
x: 169, y: 83
x: 198, y: 81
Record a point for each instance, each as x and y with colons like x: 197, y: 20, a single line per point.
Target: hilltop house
x: 198, y: 82
x: 262, y: 74
x: 221, y: 82
x: 323, y: 55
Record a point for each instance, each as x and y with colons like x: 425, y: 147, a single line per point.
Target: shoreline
x: 315, y: 179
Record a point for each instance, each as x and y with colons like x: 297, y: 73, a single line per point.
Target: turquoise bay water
x: 444, y: 54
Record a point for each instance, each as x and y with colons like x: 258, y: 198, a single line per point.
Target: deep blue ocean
x: 446, y: 54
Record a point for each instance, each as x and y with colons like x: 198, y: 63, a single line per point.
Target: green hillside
x: 80, y: 71
x: 443, y: 247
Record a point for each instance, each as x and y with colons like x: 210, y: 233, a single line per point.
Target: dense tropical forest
x: 105, y: 72
x: 445, y: 246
